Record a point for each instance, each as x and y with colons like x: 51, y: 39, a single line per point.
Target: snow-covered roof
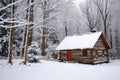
x: 79, y: 42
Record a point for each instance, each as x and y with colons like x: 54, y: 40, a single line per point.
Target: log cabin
x: 90, y: 48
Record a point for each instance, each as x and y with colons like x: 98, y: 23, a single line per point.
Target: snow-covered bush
x: 33, y: 53
x: 51, y: 53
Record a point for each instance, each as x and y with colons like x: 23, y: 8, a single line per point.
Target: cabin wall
x: 93, y: 56
x: 77, y: 56
x: 98, y: 54
x: 99, y: 44
x: 63, y: 55
x: 82, y: 56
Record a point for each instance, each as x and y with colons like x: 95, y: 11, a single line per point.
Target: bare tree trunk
x: 44, y: 28
x: 26, y: 46
x: 90, y: 15
x: 117, y: 44
x: 66, y: 30
x: 28, y: 33
x: 43, y: 41
x: 24, y: 41
x: 29, y: 17
x: 103, y: 7
x: 111, y: 38
x: 11, y: 34
x: 105, y: 26
x: 47, y: 7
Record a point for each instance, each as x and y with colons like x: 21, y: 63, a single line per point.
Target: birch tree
x: 28, y: 31
x: 14, y: 22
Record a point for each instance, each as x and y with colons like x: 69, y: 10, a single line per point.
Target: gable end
x: 104, y: 41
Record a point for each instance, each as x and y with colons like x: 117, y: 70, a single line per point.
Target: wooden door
x: 69, y: 55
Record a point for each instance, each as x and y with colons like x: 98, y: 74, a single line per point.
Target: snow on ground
x: 51, y: 70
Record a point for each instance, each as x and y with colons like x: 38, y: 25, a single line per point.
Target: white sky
x: 77, y: 2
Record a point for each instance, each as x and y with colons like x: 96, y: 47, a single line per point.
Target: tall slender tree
x: 44, y: 28
x: 103, y: 7
x: 11, y: 33
x: 28, y: 29
x: 91, y: 14
x: 29, y: 18
x: 47, y: 7
x: 117, y: 43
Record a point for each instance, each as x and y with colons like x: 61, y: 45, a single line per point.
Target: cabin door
x: 69, y: 55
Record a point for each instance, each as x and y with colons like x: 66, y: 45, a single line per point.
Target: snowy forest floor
x: 52, y: 70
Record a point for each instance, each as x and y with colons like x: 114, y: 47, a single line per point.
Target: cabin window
x: 63, y: 53
x: 88, y: 52
x: 84, y: 52
x: 105, y: 51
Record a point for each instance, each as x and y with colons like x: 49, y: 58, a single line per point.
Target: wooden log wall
x: 100, y: 55
x: 94, y: 56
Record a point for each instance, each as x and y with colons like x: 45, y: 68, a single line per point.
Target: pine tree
x: 4, y: 32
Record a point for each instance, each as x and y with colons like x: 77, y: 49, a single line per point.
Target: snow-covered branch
x: 25, y: 8
x: 10, y: 5
x: 29, y: 23
x: 42, y: 20
x: 22, y: 24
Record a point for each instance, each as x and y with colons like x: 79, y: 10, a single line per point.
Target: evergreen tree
x: 33, y: 53
x: 4, y: 32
